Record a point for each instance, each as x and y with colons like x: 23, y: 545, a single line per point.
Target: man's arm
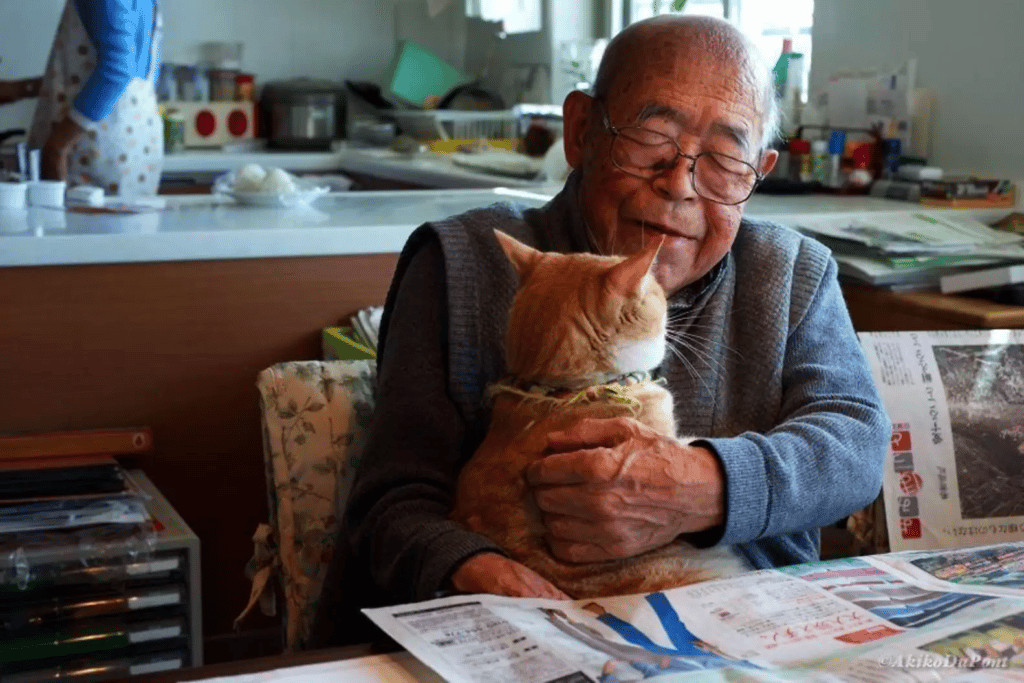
x: 399, y: 505
x: 616, y: 489
x: 824, y: 459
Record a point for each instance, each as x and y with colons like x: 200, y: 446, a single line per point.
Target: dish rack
x: 444, y: 124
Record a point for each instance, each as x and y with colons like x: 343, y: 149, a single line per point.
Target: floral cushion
x: 315, y: 416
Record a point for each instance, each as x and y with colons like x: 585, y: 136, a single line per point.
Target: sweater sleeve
x: 404, y: 490
x: 113, y: 27
x: 824, y: 458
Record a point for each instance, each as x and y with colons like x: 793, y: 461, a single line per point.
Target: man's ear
x: 576, y: 111
x: 768, y: 159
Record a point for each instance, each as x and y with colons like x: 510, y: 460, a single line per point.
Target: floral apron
x: 124, y: 152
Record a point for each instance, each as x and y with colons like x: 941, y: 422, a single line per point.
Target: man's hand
x: 498, y: 575
x: 54, y: 157
x: 615, y: 488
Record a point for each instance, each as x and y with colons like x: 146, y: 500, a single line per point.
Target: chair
x: 315, y: 416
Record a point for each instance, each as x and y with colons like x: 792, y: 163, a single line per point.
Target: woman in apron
x: 97, y: 120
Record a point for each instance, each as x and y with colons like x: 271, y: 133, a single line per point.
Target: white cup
x: 47, y: 193
x: 12, y: 195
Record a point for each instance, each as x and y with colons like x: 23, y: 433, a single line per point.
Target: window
x: 767, y: 22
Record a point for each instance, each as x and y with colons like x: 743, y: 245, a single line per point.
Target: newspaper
x: 893, y: 617
x: 914, y: 232
x: 955, y: 472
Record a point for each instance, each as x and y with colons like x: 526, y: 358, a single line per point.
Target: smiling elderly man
x: 772, y: 379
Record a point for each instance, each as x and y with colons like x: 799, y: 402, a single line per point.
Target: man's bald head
x: 655, y: 43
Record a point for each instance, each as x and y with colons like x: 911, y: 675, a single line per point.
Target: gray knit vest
x: 744, y: 311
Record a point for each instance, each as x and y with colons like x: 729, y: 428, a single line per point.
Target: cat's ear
x: 631, y: 276
x: 523, y: 257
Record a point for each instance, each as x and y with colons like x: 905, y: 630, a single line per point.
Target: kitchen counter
x: 425, y: 168
x: 210, y: 227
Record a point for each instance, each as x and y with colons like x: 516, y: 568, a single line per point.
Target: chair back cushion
x: 315, y: 416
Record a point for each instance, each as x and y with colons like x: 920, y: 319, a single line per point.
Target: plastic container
x: 836, y: 144
x: 48, y: 193
x: 222, y: 85
x: 85, y: 194
x: 221, y: 55
x: 820, y: 162
x: 800, y: 160
x: 174, y: 131
x: 245, y: 88
x: 13, y: 195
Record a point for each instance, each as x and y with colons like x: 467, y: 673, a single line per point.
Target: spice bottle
x: 800, y: 160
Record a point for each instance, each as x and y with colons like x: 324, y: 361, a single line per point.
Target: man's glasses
x: 644, y: 153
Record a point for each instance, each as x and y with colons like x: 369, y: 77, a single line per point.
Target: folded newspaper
x: 914, y: 232
x: 903, y: 617
x: 955, y: 472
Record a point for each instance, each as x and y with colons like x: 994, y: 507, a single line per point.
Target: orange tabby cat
x: 583, y: 332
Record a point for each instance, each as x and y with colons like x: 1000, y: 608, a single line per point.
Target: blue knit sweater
x: 779, y: 390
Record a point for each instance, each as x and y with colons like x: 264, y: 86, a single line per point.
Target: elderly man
x: 772, y: 378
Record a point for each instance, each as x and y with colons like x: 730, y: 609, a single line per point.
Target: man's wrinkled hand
x: 614, y: 488
x: 498, y: 575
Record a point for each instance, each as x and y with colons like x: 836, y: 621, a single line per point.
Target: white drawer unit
x: 121, y: 605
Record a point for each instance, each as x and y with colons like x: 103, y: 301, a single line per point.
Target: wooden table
x: 246, y: 666
x: 879, y: 310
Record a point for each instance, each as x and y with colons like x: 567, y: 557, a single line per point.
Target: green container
x: 416, y: 73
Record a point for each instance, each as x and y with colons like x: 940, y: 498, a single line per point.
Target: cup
x: 12, y: 195
x: 47, y: 193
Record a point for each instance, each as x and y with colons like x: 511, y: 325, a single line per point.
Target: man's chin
x: 672, y: 276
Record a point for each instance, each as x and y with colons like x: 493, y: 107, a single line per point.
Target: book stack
x: 87, y: 587
x: 912, y: 250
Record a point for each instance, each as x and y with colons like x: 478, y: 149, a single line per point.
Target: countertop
x: 210, y: 227
x: 432, y: 170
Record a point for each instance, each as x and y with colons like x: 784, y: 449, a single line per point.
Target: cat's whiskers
x: 706, y: 357
x: 689, y: 366
x: 676, y: 322
x: 702, y: 345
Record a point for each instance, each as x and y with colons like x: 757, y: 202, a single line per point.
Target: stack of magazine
x: 67, y: 494
x: 912, y: 250
x: 355, y: 341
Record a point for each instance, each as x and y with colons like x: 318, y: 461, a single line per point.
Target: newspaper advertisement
x: 856, y: 619
x: 955, y: 470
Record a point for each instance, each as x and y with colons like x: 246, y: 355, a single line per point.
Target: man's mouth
x: 659, y: 228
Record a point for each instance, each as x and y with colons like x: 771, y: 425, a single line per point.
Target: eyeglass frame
x: 758, y: 177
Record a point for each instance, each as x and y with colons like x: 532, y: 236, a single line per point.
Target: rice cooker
x: 302, y: 113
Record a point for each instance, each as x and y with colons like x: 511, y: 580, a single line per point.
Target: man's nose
x: 676, y: 184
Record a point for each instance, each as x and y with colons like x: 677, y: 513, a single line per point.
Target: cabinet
x: 83, y: 610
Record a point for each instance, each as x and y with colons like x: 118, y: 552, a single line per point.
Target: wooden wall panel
x: 176, y: 346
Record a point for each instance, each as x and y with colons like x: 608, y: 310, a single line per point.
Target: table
x: 877, y: 310
x: 360, y: 663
